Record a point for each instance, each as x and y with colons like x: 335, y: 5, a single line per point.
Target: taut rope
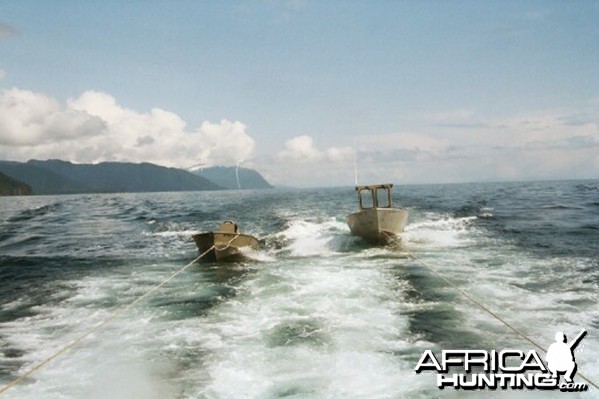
x: 110, y: 318
x: 489, y: 311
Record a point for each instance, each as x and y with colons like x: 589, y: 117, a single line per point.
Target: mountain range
x: 10, y: 186
x: 62, y: 177
x: 231, y: 177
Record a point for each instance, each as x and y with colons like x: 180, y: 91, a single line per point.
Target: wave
x: 29, y: 214
x: 441, y: 231
x: 305, y: 238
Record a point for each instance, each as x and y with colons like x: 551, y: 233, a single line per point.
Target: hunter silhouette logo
x: 560, y: 356
x: 506, y: 369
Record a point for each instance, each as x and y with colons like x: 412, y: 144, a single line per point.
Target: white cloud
x: 336, y: 154
x: 457, y: 145
x: 401, y: 140
x: 302, y: 163
x: 28, y: 118
x: 454, y: 146
x: 224, y: 143
x: 94, y: 128
x: 300, y: 148
x: 460, y: 146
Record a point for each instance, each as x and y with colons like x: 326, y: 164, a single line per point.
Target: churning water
x: 316, y: 313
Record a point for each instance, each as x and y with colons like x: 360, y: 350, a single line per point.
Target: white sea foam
x: 259, y: 255
x: 443, y: 232
x: 511, y: 284
x: 312, y: 238
x: 311, y: 320
x: 307, y: 335
x: 172, y: 233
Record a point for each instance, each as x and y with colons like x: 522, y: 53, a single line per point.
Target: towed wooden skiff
x: 228, y: 242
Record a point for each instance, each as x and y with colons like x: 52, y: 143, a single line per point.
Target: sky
x: 302, y: 90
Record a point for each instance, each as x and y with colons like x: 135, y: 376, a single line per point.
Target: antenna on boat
x: 355, y: 162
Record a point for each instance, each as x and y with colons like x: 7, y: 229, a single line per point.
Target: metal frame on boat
x: 377, y: 220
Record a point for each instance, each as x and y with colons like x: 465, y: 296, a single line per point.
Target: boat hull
x: 227, y: 245
x: 378, y: 224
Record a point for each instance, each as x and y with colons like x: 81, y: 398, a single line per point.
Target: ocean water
x: 315, y: 313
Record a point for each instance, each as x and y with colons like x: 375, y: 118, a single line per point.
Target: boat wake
x: 316, y: 312
x: 310, y: 238
x: 439, y: 231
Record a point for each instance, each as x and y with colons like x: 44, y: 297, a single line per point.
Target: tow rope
x: 489, y: 311
x: 110, y: 318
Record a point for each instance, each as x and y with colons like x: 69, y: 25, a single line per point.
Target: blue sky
x: 430, y: 91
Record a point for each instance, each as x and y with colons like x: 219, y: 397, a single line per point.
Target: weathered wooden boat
x: 377, y: 220
x: 227, y: 243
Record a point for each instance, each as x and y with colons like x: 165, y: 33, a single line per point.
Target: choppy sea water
x: 315, y: 314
